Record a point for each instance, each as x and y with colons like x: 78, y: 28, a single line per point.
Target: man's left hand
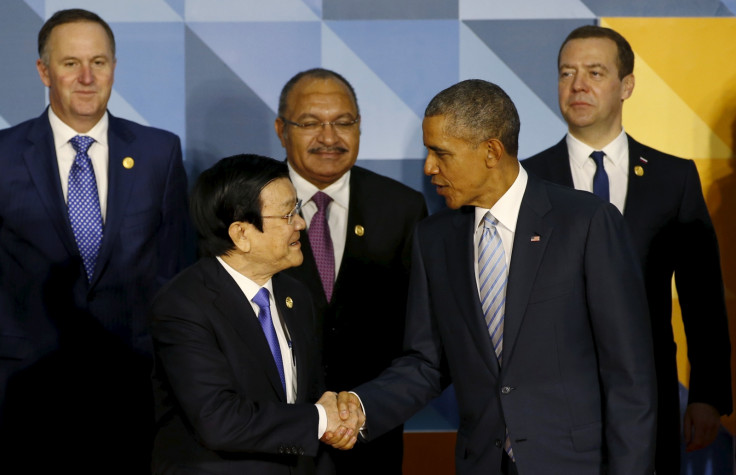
x: 701, y: 425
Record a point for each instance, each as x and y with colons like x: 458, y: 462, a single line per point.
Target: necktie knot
x: 81, y: 143
x: 321, y: 199
x: 597, y: 157
x: 262, y: 299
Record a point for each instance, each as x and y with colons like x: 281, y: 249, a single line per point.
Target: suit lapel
x: 530, y: 241
x: 354, y: 244
x: 459, y: 257
x: 43, y: 168
x: 294, y: 317
x: 559, y: 164
x: 120, y: 183
x: 637, y: 189
x: 235, y: 308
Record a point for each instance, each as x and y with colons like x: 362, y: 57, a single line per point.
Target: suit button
x: 301, y: 451
x: 294, y: 451
x: 506, y: 389
x: 499, y: 444
x: 281, y: 449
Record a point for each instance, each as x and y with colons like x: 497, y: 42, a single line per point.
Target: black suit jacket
x: 220, y: 405
x: 64, y: 341
x: 365, y: 318
x: 673, y: 234
x: 576, y: 388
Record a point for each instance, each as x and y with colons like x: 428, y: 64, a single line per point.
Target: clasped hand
x: 344, y: 419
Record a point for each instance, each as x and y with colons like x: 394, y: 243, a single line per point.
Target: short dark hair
x: 72, y: 15
x: 230, y: 191
x: 314, y: 73
x: 625, y: 57
x: 478, y: 110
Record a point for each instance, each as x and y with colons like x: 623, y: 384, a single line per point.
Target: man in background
x: 93, y: 220
x: 356, y: 248
x: 662, y: 202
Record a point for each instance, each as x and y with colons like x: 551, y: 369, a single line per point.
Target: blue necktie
x: 492, y: 279
x: 600, y: 179
x: 84, y: 205
x: 262, y: 299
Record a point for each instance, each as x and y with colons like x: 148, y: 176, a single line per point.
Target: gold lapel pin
x: 359, y: 230
x: 289, y: 302
x: 639, y: 170
x: 128, y: 162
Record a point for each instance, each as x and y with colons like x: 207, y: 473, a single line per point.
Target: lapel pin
x: 639, y: 170
x: 128, y: 162
x: 359, y: 230
x: 536, y: 238
x: 289, y: 302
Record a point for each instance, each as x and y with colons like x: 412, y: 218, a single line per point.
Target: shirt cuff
x: 322, y: 426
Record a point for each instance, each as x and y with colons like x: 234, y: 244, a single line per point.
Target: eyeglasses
x: 314, y: 126
x: 289, y: 217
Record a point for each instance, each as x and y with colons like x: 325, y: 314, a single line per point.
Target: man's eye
x: 310, y: 125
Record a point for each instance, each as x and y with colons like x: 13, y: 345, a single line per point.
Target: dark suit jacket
x: 365, y: 318
x: 577, y: 383
x: 672, y: 234
x: 220, y: 405
x: 64, y: 341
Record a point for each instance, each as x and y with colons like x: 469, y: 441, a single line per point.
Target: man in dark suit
x: 360, y: 283
x: 662, y: 203
x: 237, y: 356
x: 527, y: 297
x: 86, y: 239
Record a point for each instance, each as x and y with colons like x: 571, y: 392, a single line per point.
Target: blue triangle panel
x: 517, y: 43
x: 23, y: 94
x: 654, y: 8
x: 150, y: 71
x: 416, y: 59
x: 179, y: 6
x: 224, y: 116
x: 390, y: 9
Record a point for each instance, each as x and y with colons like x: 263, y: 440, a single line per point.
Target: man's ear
x: 239, y: 233
x: 627, y: 88
x: 494, y: 151
x: 279, y: 125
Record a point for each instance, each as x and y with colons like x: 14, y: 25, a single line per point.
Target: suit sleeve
x: 417, y: 376
x: 203, y: 383
x: 700, y: 290
x: 175, y: 237
x: 622, y: 332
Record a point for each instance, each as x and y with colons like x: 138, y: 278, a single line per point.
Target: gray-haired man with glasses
x: 357, y: 246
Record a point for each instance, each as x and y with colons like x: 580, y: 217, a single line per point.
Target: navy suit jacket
x: 220, y: 405
x: 64, y: 339
x: 576, y: 389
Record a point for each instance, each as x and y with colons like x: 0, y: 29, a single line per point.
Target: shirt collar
x: 63, y: 133
x: 617, y: 150
x: 339, y: 191
x: 506, y: 209
x: 249, y: 288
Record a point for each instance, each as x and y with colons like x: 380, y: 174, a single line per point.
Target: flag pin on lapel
x: 359, y: 230
x: 536, y: 238
x: 128, y: 162
x: 289, y: 302
x: 639, y: 170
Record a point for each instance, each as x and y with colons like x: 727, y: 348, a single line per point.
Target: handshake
x: 345, y: 418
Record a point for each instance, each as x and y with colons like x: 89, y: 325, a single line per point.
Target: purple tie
x: 84, y: 204
x: 264, y: 317
x: 319, y: 239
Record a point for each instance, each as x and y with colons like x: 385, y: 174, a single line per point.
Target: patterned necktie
x: 492, y: 279
x: 492, y: 272
x: 321, y: 242
x: 262, y: 299
x: 600, y: 179
x: 84, y: 205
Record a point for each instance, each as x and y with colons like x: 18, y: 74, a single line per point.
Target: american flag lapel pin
x: 536, y: 238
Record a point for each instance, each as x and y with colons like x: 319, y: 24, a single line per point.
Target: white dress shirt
x: 337, y: 210
x: 616, y: 164
x: 98, y: 153
x: 506, y: 211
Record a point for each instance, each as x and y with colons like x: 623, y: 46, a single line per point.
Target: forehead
x: 313, y: 94
x: 589, y: 50
x: 278, y: 193
x: 80, y: 34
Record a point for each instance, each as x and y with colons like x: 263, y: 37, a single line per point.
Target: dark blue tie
x: 600, y: 179
x: 84, y: 205
x: 264, y: 317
